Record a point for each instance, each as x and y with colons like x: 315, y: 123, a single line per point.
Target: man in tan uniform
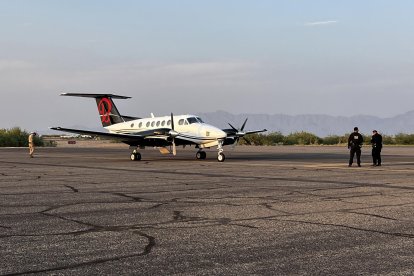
x: 31, y: 143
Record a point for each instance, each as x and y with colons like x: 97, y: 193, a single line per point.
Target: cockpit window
x: 199, y: 119
x: 192, y: 120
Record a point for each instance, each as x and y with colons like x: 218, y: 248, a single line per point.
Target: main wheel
x: 221, y: 157
x: 198, y: 155
x: 135, y: 156
x: 201, y: 155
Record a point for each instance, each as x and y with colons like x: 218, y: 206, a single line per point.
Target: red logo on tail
x: 104, y: 108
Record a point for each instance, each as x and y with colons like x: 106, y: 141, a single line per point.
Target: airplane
x: 158, y: 132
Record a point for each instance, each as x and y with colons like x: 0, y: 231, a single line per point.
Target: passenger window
x: 152, y: 123
x: 140, y: 125
x: 158, y: 123
x: 132, y: 125
x: 163, y: 123
x: 168, y: 122
x: 181, y: 122
x: 148, y: 123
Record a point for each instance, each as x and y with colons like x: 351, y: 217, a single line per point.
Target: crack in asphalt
x: 92, y: 228
x: 395, y: 234
x: 5, y: 227
x: 215, y: 175
x: 134, y: 198
x: 72, y: 188
x: 373, y: 215
x: 147, y: 250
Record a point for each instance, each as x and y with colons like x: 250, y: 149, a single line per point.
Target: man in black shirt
x: 355, y: 141
x: 376, y: 142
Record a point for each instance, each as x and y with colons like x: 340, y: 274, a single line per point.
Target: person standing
x: 31, y: 144
x: 376, y: 141
x: 355, y: 141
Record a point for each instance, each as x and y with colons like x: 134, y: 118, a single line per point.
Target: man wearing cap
x: 376, y: 141
x: 355, y: 141
x: 31, y: 143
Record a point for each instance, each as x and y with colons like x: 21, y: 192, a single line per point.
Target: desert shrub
x: 15, y: 137
x: 388, y: 140
x: 404, y: 139
x: 302, y: 138
x: 334, y: 140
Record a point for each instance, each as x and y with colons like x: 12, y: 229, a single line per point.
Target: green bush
x: 335, y: 140
x: 305, y: 138
x: 302, y: 138
x: 404, y: 139
x: 15, y: 137
x: 388, y: 140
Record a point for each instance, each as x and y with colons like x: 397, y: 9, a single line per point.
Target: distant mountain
x: 321, y: 125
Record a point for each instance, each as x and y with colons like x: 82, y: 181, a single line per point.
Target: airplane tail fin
x: 108, y: 112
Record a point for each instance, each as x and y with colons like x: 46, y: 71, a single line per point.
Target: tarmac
x: 264, y: 211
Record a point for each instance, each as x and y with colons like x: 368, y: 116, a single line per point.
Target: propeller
x: 240, y: 133
x: 173, y: 134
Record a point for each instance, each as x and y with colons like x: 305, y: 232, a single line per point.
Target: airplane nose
x: 220, y: 134
x: 214, y: 132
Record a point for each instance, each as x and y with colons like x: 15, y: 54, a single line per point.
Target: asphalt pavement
x: 264, y: 211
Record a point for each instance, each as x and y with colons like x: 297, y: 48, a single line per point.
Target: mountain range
x: 321, y: 125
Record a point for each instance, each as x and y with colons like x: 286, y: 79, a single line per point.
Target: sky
x: 331, y: 57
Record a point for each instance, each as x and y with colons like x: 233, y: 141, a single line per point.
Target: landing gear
x: 220, y: 157
x: 135, y: 156
x: 201, y: 154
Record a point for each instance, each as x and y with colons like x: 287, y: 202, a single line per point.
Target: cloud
x: 319, y: 23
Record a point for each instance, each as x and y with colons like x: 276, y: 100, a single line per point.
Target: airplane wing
x: 133, y: 139
x: 255, y: 131
x: 231, y: 132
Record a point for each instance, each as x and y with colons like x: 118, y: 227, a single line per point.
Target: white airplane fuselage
x: 188, y: 127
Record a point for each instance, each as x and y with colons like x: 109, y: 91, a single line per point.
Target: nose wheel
x: 135, y: 156
x: 220, y: 156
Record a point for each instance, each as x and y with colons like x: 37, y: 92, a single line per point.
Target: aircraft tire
x: 135, y: 156
x: 221, y: 157
x: 201, y: 155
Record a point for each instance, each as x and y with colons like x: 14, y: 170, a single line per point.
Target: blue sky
x: 293, y: 57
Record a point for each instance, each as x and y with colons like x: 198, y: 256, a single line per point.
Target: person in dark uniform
x: 376, y: 142
x: 355, y: 141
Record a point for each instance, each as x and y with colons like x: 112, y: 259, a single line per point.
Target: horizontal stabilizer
x: 86, y: 95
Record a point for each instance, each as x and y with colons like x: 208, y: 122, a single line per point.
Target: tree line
x: 16, y: 137
x: 306, y: 138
